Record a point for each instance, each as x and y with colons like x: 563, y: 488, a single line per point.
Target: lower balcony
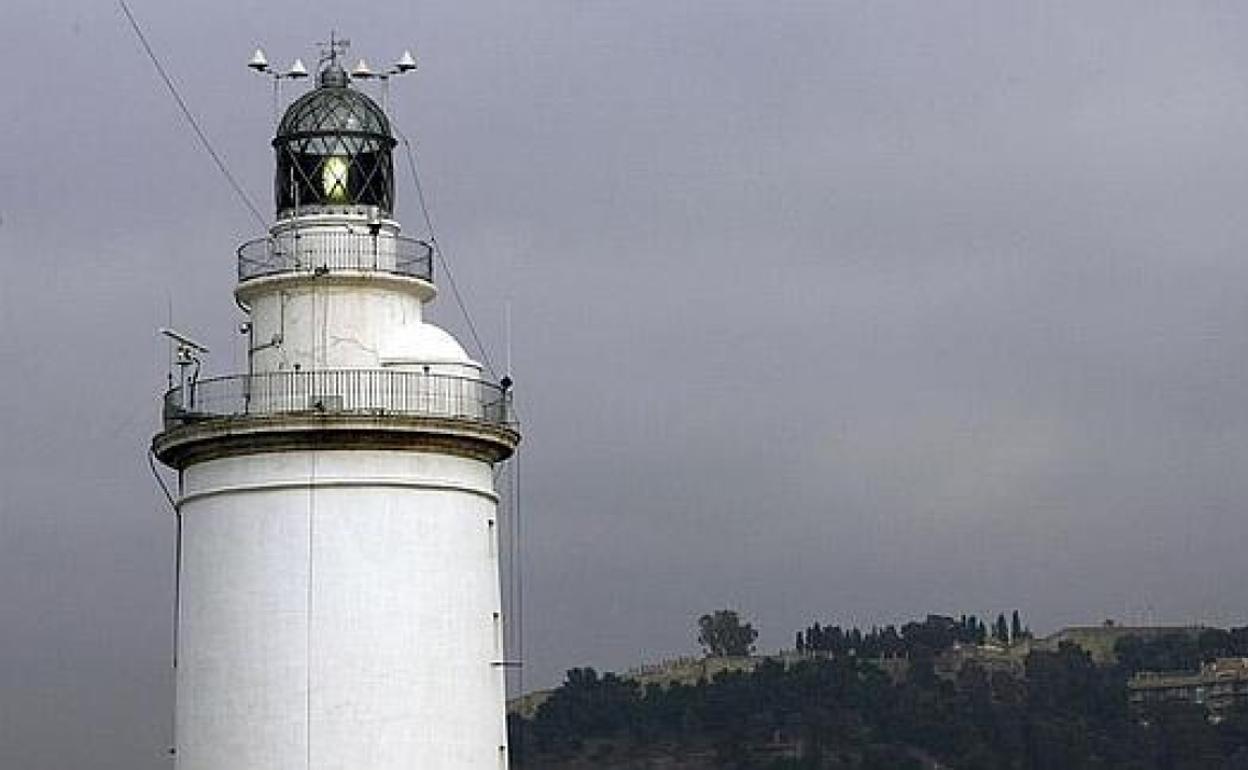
x: 358, y: 391
x: 336, y: 408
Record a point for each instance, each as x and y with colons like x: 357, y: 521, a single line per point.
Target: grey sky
x: 822, y: 310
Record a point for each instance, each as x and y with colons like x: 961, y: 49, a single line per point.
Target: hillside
x: 1046, y: 704
x: 1097, y: 641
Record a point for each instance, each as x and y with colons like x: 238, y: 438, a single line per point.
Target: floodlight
x: 406, y: 62
x: 362, y: 71
x: 259, y: 62
x: 297, y: 70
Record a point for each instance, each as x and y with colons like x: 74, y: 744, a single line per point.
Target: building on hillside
x: 1219, y: 686
x: 1099, y: 641
x: 992, y: 658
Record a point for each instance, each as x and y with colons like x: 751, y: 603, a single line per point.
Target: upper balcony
x: 324, y: 250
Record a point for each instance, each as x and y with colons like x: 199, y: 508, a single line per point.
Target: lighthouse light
x: 334, y: 178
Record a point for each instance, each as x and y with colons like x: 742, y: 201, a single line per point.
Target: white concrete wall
x: 330, y: 325
x: 344, y: 319
x: 339, y: 612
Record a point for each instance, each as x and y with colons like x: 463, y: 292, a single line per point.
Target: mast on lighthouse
x: 339, y: 599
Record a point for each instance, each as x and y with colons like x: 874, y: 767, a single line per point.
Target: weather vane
x: 337, y: 46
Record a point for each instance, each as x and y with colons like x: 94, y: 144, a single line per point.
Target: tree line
x: 842, y: 712
x: 934, y: 634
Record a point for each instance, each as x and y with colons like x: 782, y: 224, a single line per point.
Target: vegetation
x: 722, y: 634
x: 923, y: 638
x: 838, y: 709
x: 1180, y: 652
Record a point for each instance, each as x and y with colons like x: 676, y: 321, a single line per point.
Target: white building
x: 339, y: 588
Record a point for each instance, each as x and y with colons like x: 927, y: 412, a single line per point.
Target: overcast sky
x: 843, y: 310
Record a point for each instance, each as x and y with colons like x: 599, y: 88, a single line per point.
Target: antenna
x: 183, y: 340
x: 186, y: 355
x: 507, y: 334
x: 169, y: 374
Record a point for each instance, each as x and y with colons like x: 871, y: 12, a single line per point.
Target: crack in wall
x: 335, y: 340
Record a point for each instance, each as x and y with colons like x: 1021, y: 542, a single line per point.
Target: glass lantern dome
x: 333, y: 148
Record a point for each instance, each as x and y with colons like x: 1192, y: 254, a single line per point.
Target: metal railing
x: 339, y: 391
x: 328, y: 250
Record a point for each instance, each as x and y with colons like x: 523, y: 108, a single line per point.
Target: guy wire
x: 437, y: 252
x: 190, y: 118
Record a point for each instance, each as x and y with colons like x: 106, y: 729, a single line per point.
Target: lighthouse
x: 339, y: 604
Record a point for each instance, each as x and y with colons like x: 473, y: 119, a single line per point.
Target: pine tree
x: 1001, y: 630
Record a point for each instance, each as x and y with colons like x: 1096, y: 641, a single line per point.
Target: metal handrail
x: 322, y: 250
x: 340, y: 391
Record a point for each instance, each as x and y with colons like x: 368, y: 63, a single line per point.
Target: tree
x: 1001, y: 631
x: 586, y: 704
x: 722, y: 634
x: 935, y: 634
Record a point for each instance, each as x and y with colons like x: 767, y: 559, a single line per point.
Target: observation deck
x: 321, y: 251
x: 331, y: 409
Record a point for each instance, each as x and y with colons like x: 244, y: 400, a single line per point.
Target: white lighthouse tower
x: 339, y: 586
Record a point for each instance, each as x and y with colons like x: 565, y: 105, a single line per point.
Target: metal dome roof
x: 333, y: 148
x: 333, y: 107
